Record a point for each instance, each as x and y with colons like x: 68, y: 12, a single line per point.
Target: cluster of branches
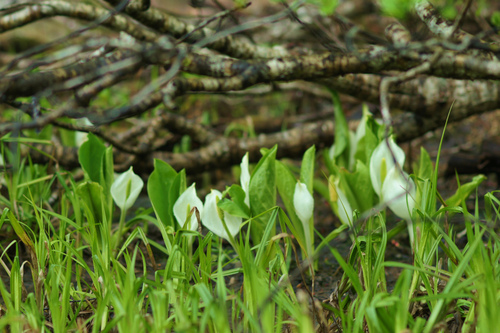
x: 420, y: 65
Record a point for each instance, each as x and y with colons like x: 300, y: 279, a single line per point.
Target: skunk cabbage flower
x: 245, y: 178
x: 303, y: 202
x: 399, y: 192
x: 126, y: 188
x: 212, y: 217
x: 344, y: 210
x: 183, y: 206
x: 382, y: 161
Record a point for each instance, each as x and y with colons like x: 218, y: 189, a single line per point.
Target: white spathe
x: 126, y: 189
x: 382, y: 161
x: 183, y: 206
x: 245, y: 178
x: 399, y: 192
x: 303, y: 202
x: 211, y: 217
x: 345, y: 212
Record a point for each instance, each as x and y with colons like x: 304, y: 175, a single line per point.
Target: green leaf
x: 159, y: 191
x: 92, y: 195
x: 425, y: 168
x: 177, y: 187
x: 396, y: 8
x: 307, y: 168
x: 262, y: 192
x: 495, y: 19
x: 451, y: 209
x: 108, y: 171
x: 464, y: 191
x: 358, y: 188
x: 369, y: 141
x: 286, y: 187
x: 328, y: 7
x: 108, y: 175
x: 236, y: 206
x: 90, y: 156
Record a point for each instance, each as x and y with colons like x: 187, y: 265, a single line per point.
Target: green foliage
x: 236, y: 206
x: 262, y: 193
x: 397, y: 8
x: 326, y: 7
x: 91, y: 158
x: 93, y: 197
x: 163, y: 190
x: 495, y: 18
x: 80, y: 264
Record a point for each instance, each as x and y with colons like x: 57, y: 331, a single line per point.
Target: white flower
x: 185, y: 204
x: 126, y: 188
x: 382, y: 161
x: 212, y: 217
x: 303, y: 203
x: 245, y: 178
x: 399, y: 192
x: 344, y: 210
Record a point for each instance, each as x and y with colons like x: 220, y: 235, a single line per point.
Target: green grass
x: 64, y: 270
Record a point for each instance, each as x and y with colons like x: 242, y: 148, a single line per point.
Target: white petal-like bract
x: 126, y: 189
x: 183, y: 206
x: 382, y: 161
x: 245, y: 178
x: 399, y: 192
x: 211, y: 217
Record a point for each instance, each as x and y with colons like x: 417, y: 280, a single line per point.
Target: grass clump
x: 71, y: 262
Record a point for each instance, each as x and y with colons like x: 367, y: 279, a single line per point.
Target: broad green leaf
x: 236, y: 206
x: 396, y: 8
x: 464, y: 191
x: 425, y: 168
x: 451, y: 209
x: 285, y: 182
x: 108, y: 175
x: 328, y: 6
x: 358, y: 188
x: 233, y: 208
x: 369, y: 141
x: 159, y: 185
x: 495, y: 18
x: 91, y: 156
x: 307, y: 168
x: 262, y: 192
x: 329, y: 163
x: 177, y: 187
x: 108, y: 171
x: 92, y: 195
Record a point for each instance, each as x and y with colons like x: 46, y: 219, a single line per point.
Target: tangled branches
x: 420, y: 66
